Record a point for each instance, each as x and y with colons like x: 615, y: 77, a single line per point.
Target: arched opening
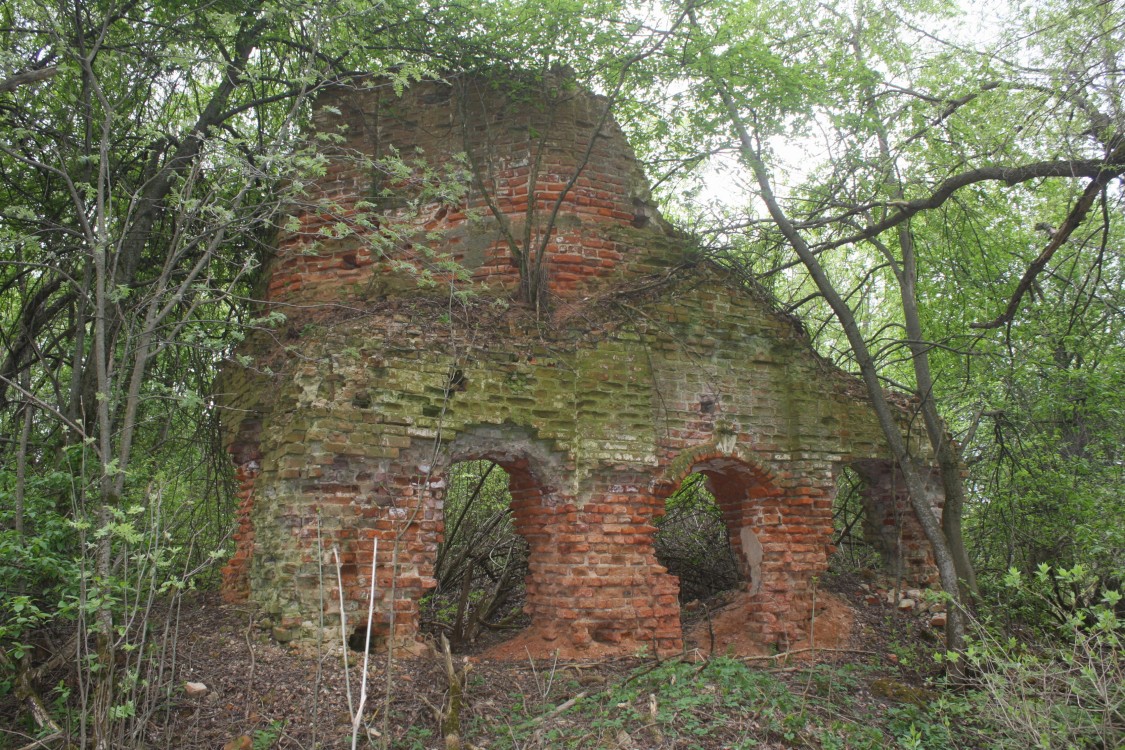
x: 857, y: 541
x: 482, y: 562
x: 737, y: 508
x: 778, y: 527
x: 693, y: 543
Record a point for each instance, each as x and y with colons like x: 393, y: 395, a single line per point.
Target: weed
x: 264, y: 739
x: 418, y: 737
x: 915, y: 727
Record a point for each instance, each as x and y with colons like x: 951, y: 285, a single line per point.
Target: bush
x: 482, y: 562
x: 164, y: 536
x: 1062, y: 686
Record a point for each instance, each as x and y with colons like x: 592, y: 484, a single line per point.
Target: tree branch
x: 1094, y: 169
x: 1076, y: 216
x: 26, y: 78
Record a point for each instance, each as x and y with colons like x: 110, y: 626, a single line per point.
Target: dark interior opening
x: 693, y: 542
x: 359, y: 635
x: 482, y: 561
x: 852, y: 535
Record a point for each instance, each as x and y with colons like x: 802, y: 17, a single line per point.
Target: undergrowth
x: 726, y: 703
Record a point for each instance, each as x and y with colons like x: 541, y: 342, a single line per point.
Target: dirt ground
x: 256, y: 686
x: 261, y: 694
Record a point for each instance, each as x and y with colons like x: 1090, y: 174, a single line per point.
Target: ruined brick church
x: 407, y: 345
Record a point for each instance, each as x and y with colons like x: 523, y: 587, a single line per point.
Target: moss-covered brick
x: 645, y: 364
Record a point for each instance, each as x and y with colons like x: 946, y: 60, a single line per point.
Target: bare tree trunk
x: 21, y: 458
x: 949, y: 463
x: 906, y: 274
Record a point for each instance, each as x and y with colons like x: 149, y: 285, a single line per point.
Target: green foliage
x: 1049, y: 451
x: 39, y: 570
x: 1062, y: 687
x: 418, y: 737
x: 264, y: 739
x: 872, y: 141
x: 725, y: 702
x: 141, y: 183
x: 912, y: 726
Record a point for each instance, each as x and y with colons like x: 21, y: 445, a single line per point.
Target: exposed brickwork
x: 341, y: 247
x: 598, y: 408
x: 891, y: 526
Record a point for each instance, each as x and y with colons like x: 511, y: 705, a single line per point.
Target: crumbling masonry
x: 639, y: 364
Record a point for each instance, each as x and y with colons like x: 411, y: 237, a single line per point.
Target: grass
x: 723, y: 703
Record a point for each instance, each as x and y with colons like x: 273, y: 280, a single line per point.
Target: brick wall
x: 529, y: 144
x: 597, y: 406
x: 890, y: 525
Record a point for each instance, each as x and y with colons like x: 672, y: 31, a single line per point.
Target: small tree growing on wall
x: 550, y: 85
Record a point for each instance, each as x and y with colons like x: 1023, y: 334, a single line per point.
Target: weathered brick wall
x: 528, y: 142
x: 890, y: 525
x: 345, y: 424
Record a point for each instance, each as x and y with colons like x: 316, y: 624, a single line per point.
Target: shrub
x: 1062, y: 686
x: 482, y: 562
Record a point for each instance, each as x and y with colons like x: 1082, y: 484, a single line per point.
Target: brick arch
x: 528, y: 494
x: 516, y: 449
x: 746, y: 495
x: 685, y: 462
x: 779, y: 531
